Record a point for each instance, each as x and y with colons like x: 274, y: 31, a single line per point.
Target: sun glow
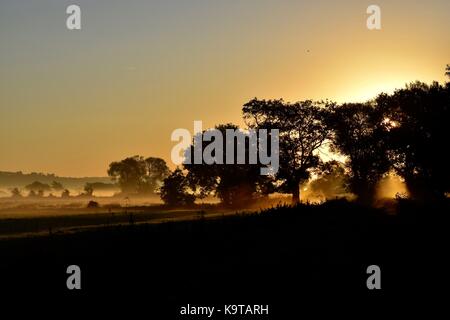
x: 366, y: 92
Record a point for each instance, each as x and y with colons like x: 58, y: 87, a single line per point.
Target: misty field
x: 25, y: 217
x: 306, y: 256
x: 38, y: 221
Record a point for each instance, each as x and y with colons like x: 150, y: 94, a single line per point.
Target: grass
x: 308, y: 254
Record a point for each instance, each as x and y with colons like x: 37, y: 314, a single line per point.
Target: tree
x: 65, y: 194
x: 88, y: 189
x: 37, y: 186
x: 57, y: 186
x: 157, y: 171
x: 175, y: 190
x: 302, y: 132
x: 32, y: 194
x: 418, y: 139
x: 128, y: 173
x: 234, y: 184
x: 15, y: 193
x: 138, y: 175
x: 360, y: 135
x: 331, y: 182
x: 93, y: 204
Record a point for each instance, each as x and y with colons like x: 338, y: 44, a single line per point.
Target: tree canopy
x: 138, y: 174
x: 417, y: 119
x: 176, y: 191
x: 233, y: 184
x: 302, y: 131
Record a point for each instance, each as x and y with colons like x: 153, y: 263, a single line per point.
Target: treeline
x: 405, y: 133
x: 38, y: 189
x: 19, y: 179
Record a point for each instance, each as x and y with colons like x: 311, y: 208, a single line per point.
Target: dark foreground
x: 308, y: 258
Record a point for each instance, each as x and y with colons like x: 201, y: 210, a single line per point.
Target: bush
x: 93, y: 204
x: 175, y: 190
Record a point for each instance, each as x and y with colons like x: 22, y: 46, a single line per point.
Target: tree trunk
x: 296, y: 195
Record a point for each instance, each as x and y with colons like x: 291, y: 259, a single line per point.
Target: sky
x: 72, y: 101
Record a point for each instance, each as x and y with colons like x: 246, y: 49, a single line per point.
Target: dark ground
x: 308, y: 258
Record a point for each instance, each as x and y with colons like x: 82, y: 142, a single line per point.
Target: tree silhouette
x: 57, y: 186
x: 302, y: 132
x: 88, y: 189
x: 138, y: 175
x: 235, y: 184
x: 359, y: 134
x: 331, y: 181
x: 65, y: 194
x: 93, y: 204
x: 37, y: 186
x: 175, y: 190
x: 418, y: 140
x: 31, y: 194
x: 157, y: 171
x: 15, y: 193
x: 128, y: 173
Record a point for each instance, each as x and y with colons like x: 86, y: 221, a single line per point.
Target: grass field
x: 305, y: 257
x: 41, y: 222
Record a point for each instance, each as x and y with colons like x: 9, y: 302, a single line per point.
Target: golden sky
x: 73, y: 101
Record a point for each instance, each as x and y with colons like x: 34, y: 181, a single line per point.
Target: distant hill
x: 20, y: 180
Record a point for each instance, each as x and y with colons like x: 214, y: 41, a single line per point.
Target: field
x: 288, y: 257
x: 37, y: 221
x: 36, y: 217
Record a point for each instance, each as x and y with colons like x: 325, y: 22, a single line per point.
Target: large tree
x: 57, y: 186
x: 234, y: 184
x: 176, y: 191
x: 139, y: 175
x: 418, y: 118
x: 359, y: 134
x: 331, y: 180
x: 302, y: 131
x: 156, y: 172
x: 37, y: 186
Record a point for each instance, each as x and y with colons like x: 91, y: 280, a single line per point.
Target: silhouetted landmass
x: 304, y: 257
x: 404, y: 133
x: 309, y: 255
x: 19, y: 179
